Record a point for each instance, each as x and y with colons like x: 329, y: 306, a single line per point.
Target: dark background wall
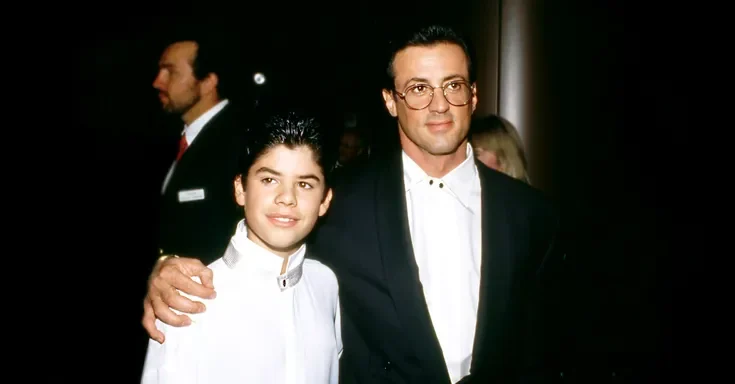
x: 578, y: 80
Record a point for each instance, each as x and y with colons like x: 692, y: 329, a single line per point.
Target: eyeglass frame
x: 403, y: 94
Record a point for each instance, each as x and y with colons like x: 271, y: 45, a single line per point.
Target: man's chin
x: 445, y: 149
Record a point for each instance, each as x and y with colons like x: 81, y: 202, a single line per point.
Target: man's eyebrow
x: 423, y: 80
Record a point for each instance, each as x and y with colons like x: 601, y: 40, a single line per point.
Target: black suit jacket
x: 387, y: 331
x: 202, y: 228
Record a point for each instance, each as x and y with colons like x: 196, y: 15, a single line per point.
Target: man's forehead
x: 179, y: 52
x: 349, y: 136
x: 437, y: 62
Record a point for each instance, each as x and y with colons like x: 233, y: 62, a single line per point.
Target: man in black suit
x: 446, y: 267
x: 353, y: 155
x: 198, y: 211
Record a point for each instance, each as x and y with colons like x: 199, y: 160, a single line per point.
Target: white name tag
x: 191, y: 195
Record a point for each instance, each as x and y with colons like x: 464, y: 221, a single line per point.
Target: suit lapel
x: 204, y: 143
x: 208, y: 133
x: 401, y: 270
x: 496, y: 273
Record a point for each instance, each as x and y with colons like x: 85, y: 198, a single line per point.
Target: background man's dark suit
x: 387, y: 331
x: 203, y: 227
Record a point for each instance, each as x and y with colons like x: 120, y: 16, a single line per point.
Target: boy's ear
x: 239, y: 190
x: 324, y: 206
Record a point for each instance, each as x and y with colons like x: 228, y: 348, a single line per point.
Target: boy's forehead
x: 286, y: 160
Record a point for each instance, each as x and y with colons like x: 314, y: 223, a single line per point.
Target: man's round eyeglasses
x: 419, y: 96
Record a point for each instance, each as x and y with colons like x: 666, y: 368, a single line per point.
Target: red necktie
x: 182, y: 147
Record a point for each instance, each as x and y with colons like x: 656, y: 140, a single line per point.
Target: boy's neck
x: 285, y: 254
x: 284, y: 265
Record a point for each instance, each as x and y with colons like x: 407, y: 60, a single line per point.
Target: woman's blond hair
x: 493, y: 133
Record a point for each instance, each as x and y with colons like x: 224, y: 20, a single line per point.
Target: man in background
x: 353, y: 153
x: 198, y: 211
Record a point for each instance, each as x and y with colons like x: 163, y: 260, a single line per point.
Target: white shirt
x: 444, y: 217
x: 263, y: 327
x: 191, y: 131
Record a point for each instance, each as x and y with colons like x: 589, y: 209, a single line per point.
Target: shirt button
x: 441, y: 185
x: 431, y: 182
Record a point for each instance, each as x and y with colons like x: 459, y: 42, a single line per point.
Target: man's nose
x: 439, y: 103
x: 158, y: 82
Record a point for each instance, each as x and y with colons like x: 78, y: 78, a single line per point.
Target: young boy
x: 276, y: 315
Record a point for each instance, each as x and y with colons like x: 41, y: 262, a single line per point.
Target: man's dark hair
x: 213, y: 55
x: 425, y: 37
x: 292, y: 129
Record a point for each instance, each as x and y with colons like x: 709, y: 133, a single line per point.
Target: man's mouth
x: 439, y: 125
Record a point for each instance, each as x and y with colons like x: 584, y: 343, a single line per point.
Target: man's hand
x: 169, y: 275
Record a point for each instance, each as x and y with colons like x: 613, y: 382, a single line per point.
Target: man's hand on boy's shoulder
x: 171, y: 274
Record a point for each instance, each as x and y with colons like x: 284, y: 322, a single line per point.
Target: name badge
x: 191, y: 195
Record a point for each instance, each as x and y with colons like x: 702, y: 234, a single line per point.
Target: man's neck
x: 436, y: 165
x: 198, y: 109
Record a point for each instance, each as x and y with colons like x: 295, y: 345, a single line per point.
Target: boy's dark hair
x: 292, y: 129
x: 424, y: 37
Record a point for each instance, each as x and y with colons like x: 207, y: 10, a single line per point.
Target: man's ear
x: 239, y: 190
x: 390, y: 102
x: 209, y: 84
x: 474, y: 97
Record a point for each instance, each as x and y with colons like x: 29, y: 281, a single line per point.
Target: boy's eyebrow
x: 274, y: 172
x: 268, y: 170
x: 310, y: 176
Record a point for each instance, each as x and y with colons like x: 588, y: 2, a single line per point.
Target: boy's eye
x: 268, y: 180
x: 306, y: 185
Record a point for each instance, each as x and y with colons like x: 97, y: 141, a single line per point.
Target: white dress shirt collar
x: 459, y: 182
x: 244, y: 254
x: 192, y: 130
